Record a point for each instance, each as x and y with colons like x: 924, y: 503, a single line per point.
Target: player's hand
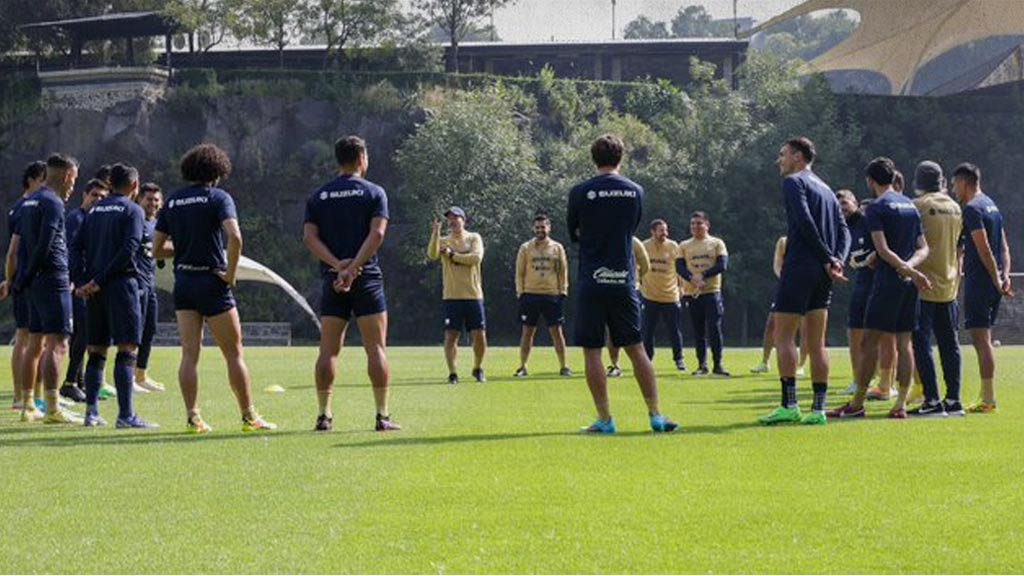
x: 1007, y: 287
x: 435, y: 226
x: 346, y: 278
x: 88, y: 290
x: 835, y: 272
x: 341, y: 265
x: 920, y: 280
x: 229, y: 280
x: 4, y: 290
x: 871, y: 260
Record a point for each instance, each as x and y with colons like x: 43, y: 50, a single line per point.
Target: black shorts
x: 892, y: 307
x: 803, y: 289
x: 21, y: 310
x: 858, y: 306
x: 50, y: 309
x: 464, y: 315
x: 533, y: 306
x: 365, y: 298
x: 114, y: 314
x: 615, y: 309
x: 981, y: 304
x: 202, y: 292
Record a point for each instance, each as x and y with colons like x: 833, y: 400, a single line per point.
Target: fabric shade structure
x: 251, y: 271
x: 897, y: 37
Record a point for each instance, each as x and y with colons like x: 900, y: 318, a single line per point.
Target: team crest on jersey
x: 591, y: 195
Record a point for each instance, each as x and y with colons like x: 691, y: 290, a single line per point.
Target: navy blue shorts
x: 617, y: 309
x: 366, y: 297
x: 21, y: 310
x: 533, y: 306
x: 464, y: 315
x: 981, y: 304
x: 892, y: 307
x: 858, y: 306
x: 202, y: 292
x: 802, y: 290
x: 50, y: 309
x: 114, y: 314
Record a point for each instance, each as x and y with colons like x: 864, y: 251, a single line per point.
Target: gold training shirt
x: 461, y: 271
x: 661, y: 284
x: 942, y: 222
x: 542, y: 268
x: 643, y: 263
x: 701, y: 255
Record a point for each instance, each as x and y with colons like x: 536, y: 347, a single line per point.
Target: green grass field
x: 495, y: 478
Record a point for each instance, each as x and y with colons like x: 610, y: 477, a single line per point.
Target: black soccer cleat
x: 453, y: 378
x: 478, y: 375
x: 324, y: 423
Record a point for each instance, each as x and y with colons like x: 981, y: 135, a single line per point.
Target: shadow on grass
x: 78, y: 436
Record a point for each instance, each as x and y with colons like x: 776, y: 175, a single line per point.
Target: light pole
x: 613, y: 19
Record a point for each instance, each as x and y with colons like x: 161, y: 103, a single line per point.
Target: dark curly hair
x: 33, y: 171
x: 205, y: 163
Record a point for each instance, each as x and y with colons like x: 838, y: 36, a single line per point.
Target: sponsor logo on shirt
x: 108, y: 208
x: 30, y: 203
x: 901, y: 207
x: 334, y: 194
x: 992, y: 209
x: 607, y: 276
x: 187, y: 201
x: 598, y: 194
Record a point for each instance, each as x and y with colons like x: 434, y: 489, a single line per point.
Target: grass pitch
x: 495, y: 478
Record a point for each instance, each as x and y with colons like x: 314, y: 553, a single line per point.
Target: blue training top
x: 41, y: 226
x: 342, y: 210
x: 110, y: 240
x: 146, y: 262
x: 816, y: 230
x: 896, y: 216
x: 981, y: 213
x: 861, y: 248
x: 193, y: 217
x: 603, y: 214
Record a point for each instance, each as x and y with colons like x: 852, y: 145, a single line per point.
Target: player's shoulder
x: 526, y: 245
x: 717, y: 241
x: 475, y: 236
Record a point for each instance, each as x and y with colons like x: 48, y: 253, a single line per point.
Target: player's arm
x: 800, y: 214
x: 48, y: 228
x: 844, y: 241
x: 234, y: 236
x: 642, y: 259
x: 981, y: 244
x: 1007, y: 287
x: 374, y: 240
x: 520, y: 270
x: 162, y: 248
x: 10, y: 266
x: 682, y: 269
x: 572, y: 218
x: 779, y: 257
x: 563, y: 272
x: 475, y: 254
x: 434, y: 246
x: 316, y: 246
x: 76, y: 257
x: 892, y: 259
x: 721, y: 265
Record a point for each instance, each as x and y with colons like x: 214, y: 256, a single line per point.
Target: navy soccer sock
x: 124, y: 379
x: 788, y: 392
x: 94, y: 377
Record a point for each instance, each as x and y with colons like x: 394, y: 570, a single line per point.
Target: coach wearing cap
x: 461, y: 253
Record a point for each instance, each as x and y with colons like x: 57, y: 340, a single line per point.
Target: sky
x: 540, y: 20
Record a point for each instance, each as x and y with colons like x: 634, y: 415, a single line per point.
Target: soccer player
x: 73, y: 389
x: 346, y: 220
x: 986, y: 274
x: 643, y: 265
x: 862, y: 258
x: 703, y: 259
x: 942, y: 221
x: 816, y: 244
x: 151, y: 199
x: 109, y: 243
x: 542, y: 283
x: 602, y: 215
x: 461, y: 253
x: 32, y: 179
x: 196, y: 219
x: 893, y: 303
x: 660, y: 291
x: 45, y: 280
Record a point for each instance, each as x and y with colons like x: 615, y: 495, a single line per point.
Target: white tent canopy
x: 897, y: 37
x: 251, y: 271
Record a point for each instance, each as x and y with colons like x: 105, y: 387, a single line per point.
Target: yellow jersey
x: 701, y: 255
x: 461, y: 275
x: 661, y: 284
x: 643, y: 263
x: 542, y: 268
x: 942, y: 222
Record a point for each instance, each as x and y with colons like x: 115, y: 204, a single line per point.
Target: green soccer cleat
x: 107, y: 392
x: 781, y: 415
x: 814, y: 419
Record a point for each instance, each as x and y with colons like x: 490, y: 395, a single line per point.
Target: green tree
x: 339, y: 24
x: 458, y: 18
x: 211, y: 20
x: 695, y: 22
x: 806, y: 37
x: 269, y: 22
x: 644, y: 28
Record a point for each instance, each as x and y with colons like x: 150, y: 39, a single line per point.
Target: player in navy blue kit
x: 603, y: 214
x: 345, y: 223
x: 32, y: 179
x: 893, y: 303
x: 151, y: 200
x: 196, y: 219
x: 109, y: 244
x: 862, y: 259
x: 986, y: 274
x: 817, y: 241
x: 73, y: 388
x: 45, y: 279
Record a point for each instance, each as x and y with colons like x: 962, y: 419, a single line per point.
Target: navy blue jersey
x: 981, y: 213
x: 603, y: 215
x: 861, y: 248
x: 816, y: 230
x: 72, y: 224
x: 110, y: 240
x: 193, y: 217
x: 342, y: 211
x: 42, y: 232
x: 14, y: 217
x: 146, y: 262
x: 896, y: 216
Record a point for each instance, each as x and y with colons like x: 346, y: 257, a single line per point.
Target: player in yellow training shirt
x: 702, y: 260
x: 542, y: 283
x: 660, y: 291
x: 643, y: 265
x: 461, y: 253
